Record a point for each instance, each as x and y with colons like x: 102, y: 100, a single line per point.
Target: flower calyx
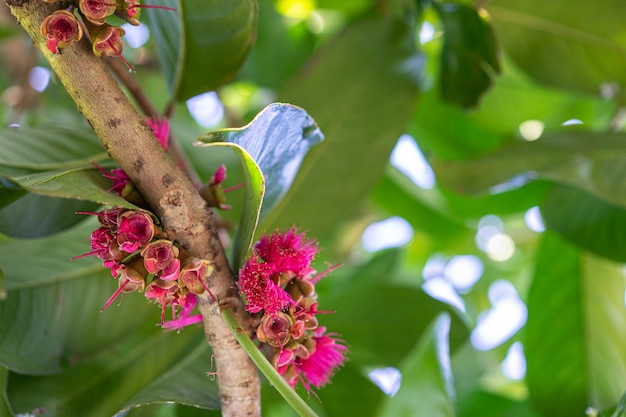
x: 61, y: 29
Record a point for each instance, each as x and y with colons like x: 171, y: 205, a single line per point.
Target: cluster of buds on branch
x: 133, y: 246
x: 62, y: 28
x: 278, y: 282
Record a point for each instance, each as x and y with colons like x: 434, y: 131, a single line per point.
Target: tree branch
x: 170, y: 193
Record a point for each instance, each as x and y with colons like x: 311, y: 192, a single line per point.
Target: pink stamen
x: 119, y: 55
x: 147, y: 6
x: 234, y: 187
x: 115, y: 295
x: 314, y: 280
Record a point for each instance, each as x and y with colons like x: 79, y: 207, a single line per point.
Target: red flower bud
x: 97, y: 11
x: 61, y: 29
x: 161, y: 257
x: 108, y: 41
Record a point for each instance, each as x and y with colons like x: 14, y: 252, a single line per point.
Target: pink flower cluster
x: 132, y: 245
x: 62, y: 28
x: 279, y: 282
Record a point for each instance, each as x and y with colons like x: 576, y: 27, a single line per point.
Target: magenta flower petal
x: 323, y: 361
x: 288, y: 252
x: 261, y: 292
x: 135, y: 229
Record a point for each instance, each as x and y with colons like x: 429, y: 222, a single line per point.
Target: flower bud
x: 275, y: 330
x: 61, y: 29
x: 107, y: 40
x: 161, y: 258
x: 96, y: 11
x: 135, y: 229
x: 193, y: 275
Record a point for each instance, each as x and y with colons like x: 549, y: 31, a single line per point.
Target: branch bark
x: 170, y: 193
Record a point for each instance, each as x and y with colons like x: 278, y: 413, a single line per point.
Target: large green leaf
x: 80, y: 184
x: 594, y: 162
x: 104, y: 384
x: 270, y: 148
x: 469, y: 58
x: 362, y: 104
x: 49, y: 147
x: 204, y: 43
x: 579, y: 45
x: 399, y: 196
x: 364, y: 328
x: 576, y: 332
x: 426, y: 388
x: 486, y: 404
x: 587, y: 221
x: 38, y: 215
x: 52, y: 255
x: 42, y: 329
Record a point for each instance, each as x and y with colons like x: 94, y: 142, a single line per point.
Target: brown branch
x: 185, y: 215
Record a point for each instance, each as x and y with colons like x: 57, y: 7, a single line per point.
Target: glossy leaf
x: 426, y: 388
x: 362, y: 105
x: 81, y: 184
x: 270, y: 148
x: 102, y: 385
x: 557, y: 157
x: 400, y: 197
x: 203, y: 43
x: 563, y: 46
x: 365, y: 328
x: 487, y: 404
x: 49, y: 147
x: 576, y: 332
x: 586, y: 221
x: 186, y: 382
x: 469, y: 59
x: 53, y: 255
x: 37, y: 215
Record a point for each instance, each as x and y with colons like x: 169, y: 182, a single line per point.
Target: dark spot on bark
x: 167, y: 180
x: 118, y: 99
x: 16, y: 3
x: 115, y: 122
x: 138, y: 164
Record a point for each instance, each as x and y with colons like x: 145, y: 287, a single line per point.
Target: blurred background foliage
x: 470, y: 182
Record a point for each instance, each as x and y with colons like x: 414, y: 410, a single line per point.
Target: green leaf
x: 48, y: 148
x: 362, y: 104
x: 102, y: 385
x: 270, y: 148
x: 81, y: 184
x: 557, y: 157
x: 469, y: 59
x: 185, y: 383
x: 586, y: 221
x: 369, y: 332
x: 563, y: 46
x: 576, y: 331
x: 486, y: 404
x: 53, y: 256
x: 426, y: 388
x: 37, y: 215
x: 399, y: 196
x: 203, y: 43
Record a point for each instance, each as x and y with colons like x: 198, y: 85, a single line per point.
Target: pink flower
x: 161, y: 258
x: 97, y: 11
x: 119, y: 178
x: 61, y: 29
x: 161, y: 129
x: 260, y: 289
x: 184, y: 318
x: 193, y: 276
x: 288, y: 253
x: 318, y: 363
x: 320, y: 366
x: 135, y: 229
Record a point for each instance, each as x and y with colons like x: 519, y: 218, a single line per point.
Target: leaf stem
x: 283, y: 388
